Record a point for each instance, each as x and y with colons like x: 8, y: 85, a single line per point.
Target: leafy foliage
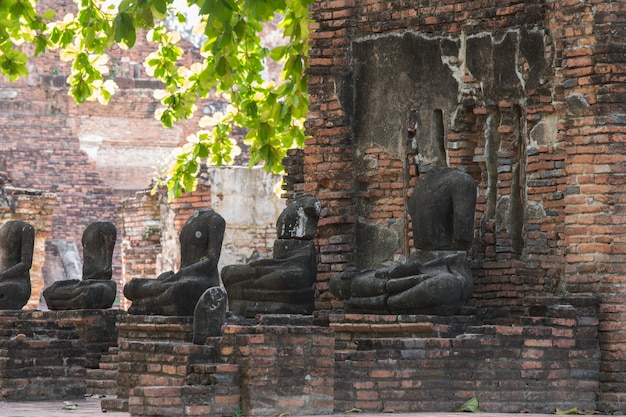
x: 232, y: 66
x: 470, y: 406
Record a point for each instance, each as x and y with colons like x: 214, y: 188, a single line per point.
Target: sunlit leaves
x: 232, y: 66
x: 13, y: 64
x: 86, y: 78
x: 125, y: 29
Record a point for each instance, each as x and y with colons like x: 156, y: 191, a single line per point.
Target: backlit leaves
x: 232, y: 66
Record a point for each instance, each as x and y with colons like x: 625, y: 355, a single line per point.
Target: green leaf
x: 566, y: 412
x: 48, y: 14
x: 222, y: 67
x: 159, y: 8
x: 203, y: 151
x: 470, y: 406
x: 278, y: 53
x: 125, y: 29
x: 81, y: 91
x: 125, y: 5
x: 145, y: 19
x: 13, y: 64
x: 225, y: 39
x: 41, y: 42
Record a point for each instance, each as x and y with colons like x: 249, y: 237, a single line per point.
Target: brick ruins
x: 527, y: 97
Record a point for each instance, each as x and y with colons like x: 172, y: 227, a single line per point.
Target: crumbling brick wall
x: 150, y: 224
x: 524, y: 96
x: 35, y: 207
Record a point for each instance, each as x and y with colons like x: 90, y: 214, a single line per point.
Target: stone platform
x: 45, y: 355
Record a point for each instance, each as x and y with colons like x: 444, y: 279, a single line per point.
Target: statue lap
x: 436, y: 279
x: 96, y: 289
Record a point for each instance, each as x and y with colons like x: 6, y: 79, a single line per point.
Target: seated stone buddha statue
x: 96, y: 289
x: 17, y: 242
x: 176, y: 293
x: 282, y: 284
x: 436, y: 279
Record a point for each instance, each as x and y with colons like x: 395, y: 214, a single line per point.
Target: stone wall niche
x: 404, y: 94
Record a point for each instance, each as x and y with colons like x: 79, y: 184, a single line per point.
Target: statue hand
x: 399, y: 271
x: 165, y: 275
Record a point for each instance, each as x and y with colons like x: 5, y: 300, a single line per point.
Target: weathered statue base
x: 274, y: 302
x: 431, y: 282
x: 14, y: 294
x: 164, y: 297
x: 74, y: 294
x: 282, y: 285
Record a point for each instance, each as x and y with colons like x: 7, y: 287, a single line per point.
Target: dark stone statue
x: 209, y: 315
x: 96, y: 289
x: 436, y: 279
x: 176, y: 293
x: 442, y: 209
x: 17, y: 242
x: 283, y: 284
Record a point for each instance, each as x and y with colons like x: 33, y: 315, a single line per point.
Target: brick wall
x: 542, y: 138
x: 90, y: 156
x: 38, y: 152
x: 547, y: 360
x: 35, y: 207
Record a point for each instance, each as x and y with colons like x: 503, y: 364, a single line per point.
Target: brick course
x: 552, y: 147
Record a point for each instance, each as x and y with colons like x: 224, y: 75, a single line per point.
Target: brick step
x: 179, y: 350
x: 383, y: 343
x: 188, y: 400
x: 114, y: 404
x: 156, y: 401
x: 107, y: 388
x: 43, y: 371
x: 101, y: 374
x: 110, y: 356
x: 109, y: 366
x: 211, y: 400
x: 105, y: 384
x: 34, y: 389
x: 111, y: 353
x: 213, y: 374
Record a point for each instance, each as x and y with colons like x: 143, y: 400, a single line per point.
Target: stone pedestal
x: 286, y: 365
x: 546, y: 359
x: 281, y: 364
x: 44, y: 354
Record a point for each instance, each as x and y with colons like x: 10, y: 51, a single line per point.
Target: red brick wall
x: 40, y: 128
x: 140, y: 226
x: 35, y: 207
x: 544, y: 362
x: 557, y: 153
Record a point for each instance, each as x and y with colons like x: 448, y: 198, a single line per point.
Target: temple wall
x: 526, y: 97
x: 35, y: 207
x: 93, y: 156
x: 150, y: 224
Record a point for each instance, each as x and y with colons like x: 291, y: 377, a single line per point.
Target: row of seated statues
x: 435, y: 280
x: 282, y: 284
